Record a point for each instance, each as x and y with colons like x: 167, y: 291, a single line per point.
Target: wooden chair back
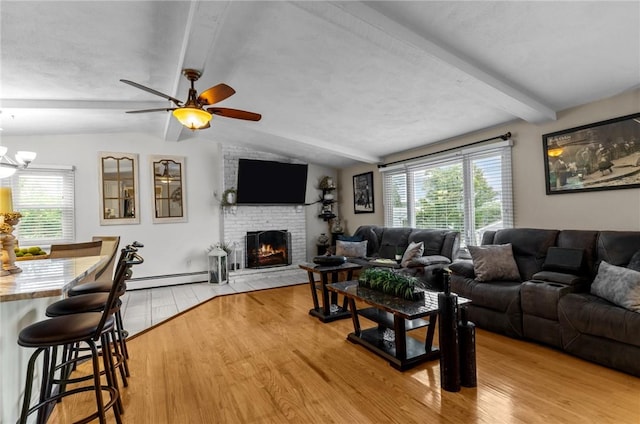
x: 110, y: 246
x: 76, y: 250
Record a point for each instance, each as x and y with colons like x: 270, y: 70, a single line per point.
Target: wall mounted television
x: 262, y: 182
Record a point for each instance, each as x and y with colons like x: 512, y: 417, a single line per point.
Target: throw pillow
x: 618, y: 285
x: 494, y: 262
x: 428, y: 260
x: 414, y: 250
x: 351, y: 249
x: 634, y: 263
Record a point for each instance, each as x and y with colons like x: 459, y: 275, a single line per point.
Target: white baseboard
x: 166, y: 280
x: 202, y: 277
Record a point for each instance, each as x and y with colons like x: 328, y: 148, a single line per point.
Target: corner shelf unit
x: 326, y: 213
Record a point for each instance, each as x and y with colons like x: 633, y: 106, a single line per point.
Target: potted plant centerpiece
x: 389, y: 282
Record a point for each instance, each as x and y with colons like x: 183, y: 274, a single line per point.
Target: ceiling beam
x: 200, y: 32
x: 81, y: 104
x: 370, y: 24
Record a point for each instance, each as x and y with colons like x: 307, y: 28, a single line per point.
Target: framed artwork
x: 363, y: 193
x: 119, y: 188
x: 600, y: 156
x: 168, y: 176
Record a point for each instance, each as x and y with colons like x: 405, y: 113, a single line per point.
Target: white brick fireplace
x: 237, y: 221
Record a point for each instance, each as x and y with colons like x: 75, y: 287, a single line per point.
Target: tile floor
x: 145, y: 308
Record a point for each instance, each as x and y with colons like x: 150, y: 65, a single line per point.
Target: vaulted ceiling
x: 336, y: 82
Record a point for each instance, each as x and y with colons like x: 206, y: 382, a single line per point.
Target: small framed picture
x: 363, y: 193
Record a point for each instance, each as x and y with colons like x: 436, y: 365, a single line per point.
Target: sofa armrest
x: 561, y: 278
x: 428, y: 260
x: 463, y: 267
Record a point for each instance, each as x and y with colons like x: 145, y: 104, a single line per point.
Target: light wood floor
x: 260, y: 358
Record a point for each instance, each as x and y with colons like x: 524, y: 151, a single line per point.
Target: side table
x: 324, y: 312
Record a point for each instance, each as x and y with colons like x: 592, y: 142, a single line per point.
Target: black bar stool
x: 95, y: 302
x: 49, y: 335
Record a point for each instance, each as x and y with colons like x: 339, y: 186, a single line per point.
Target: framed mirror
x: 169, y: 203
x: 119, y: 188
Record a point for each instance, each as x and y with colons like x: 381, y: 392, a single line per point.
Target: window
x: 466, y: 190
x: 45, y: 198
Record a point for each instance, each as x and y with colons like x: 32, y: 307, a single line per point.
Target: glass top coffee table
x: 395, y: 317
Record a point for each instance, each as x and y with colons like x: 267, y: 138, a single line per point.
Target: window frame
x: 66, y: 204
x: 465, y: 157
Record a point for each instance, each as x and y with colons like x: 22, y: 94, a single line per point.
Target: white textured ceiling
x: 335, y: 82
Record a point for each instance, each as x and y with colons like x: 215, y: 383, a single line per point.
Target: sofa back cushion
x: 394, y: 240
x: 372, y: 234
x: 529, y: 246
x: 617, y: 247
x: 432, y: 240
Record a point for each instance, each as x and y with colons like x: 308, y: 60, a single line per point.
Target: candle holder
x: 8, y: 240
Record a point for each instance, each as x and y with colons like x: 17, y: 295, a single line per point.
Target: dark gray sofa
x: 440, y: 247
x: 556, y: 308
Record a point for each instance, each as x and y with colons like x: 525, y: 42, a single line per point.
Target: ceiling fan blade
x: 235, y: 113
x: 152, y: 91
x: 164, y: 109
x: 215, y: 94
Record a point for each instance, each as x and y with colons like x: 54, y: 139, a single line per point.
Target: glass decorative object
x: 323, y: 240
x: 336, y: 226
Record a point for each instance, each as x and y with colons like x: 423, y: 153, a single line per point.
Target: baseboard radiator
x: 166, y: 280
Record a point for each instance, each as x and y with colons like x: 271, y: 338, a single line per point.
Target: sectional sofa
x: 439, y: 249
x: 576, y: 301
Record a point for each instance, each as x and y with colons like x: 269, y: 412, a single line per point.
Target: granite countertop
x: 46, y: 277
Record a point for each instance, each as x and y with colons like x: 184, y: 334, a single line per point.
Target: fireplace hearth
x: 266, y: 249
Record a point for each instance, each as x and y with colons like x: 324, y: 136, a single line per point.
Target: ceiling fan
x: 192, y: 113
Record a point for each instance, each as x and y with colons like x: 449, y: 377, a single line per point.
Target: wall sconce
x: 8, y: 166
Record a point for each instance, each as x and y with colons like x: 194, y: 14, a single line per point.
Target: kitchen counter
x: 24, y: 298
x: 46, y: 277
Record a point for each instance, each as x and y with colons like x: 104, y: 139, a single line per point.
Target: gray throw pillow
x: 618, y: 285
x: 634, y: 263
x: 351, y: 249
x: 414, y: 251
x: 494, y: 263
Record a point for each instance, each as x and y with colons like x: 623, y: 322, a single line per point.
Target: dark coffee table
x: 395, y: 317
x: 329, y: 310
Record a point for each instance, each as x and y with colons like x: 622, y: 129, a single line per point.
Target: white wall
x: 599, y: 210
x: 177, y: 249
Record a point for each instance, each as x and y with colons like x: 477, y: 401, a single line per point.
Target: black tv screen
x: 262, y: 182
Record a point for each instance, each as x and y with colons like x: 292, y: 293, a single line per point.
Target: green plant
x: 389, y: 282
x: 326, y: 182
x: 221, y: 245
x: 227, y: 194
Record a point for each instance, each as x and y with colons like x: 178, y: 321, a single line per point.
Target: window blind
x: 45, y: 198
x: 469, y: 191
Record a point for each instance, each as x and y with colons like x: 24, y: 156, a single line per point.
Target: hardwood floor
x: 260, y: 358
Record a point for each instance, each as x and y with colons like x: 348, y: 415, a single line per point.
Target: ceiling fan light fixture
x: 192, y: 117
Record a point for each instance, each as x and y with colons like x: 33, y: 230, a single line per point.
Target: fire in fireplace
x: 267, y: 248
